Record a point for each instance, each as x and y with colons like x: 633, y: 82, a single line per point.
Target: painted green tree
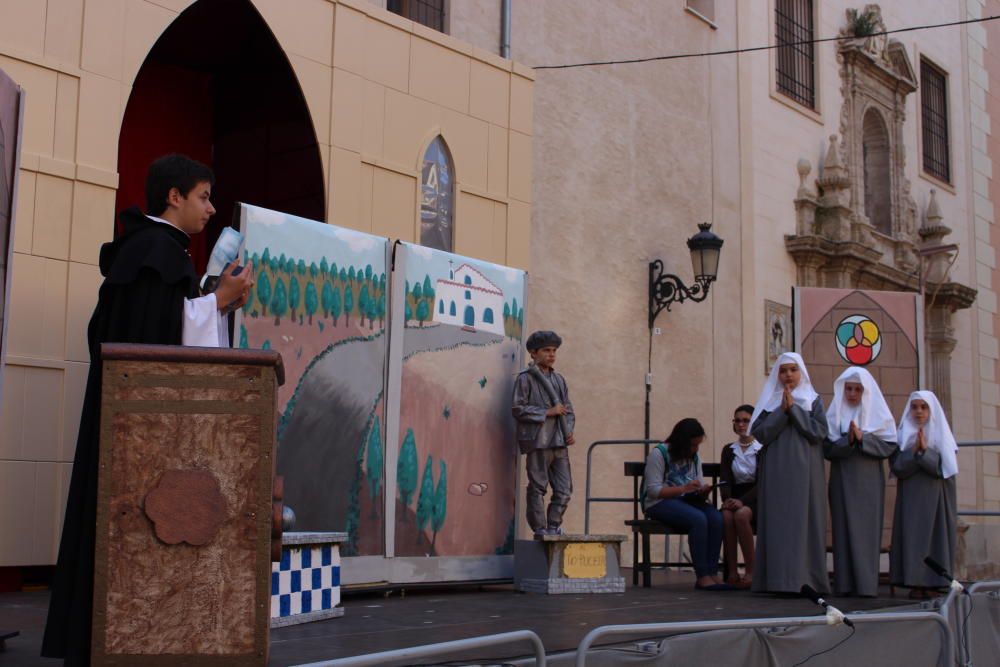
x: 373, y: 464
x: 265, y: 257
x: 243, y: 337
x: 279, y: 303
x: 428, y: 290
x: 324, y: 267
x: 418, y: 292
x: 423, y: 312
x: 425, y: 503
x: 314, y: 270
x: 312, y: 302
x: 408, y: 314
x: 350, y: 274
x: 301, y: 267
x: 348, y: 303
x: 363, y: 298
x: 326, y: 298
x: 406, y: 471
x: 368, y: 272
x: 264, y: 291
x: 290, y: 265
x: 335, y: 306
x: 343, y: 275
x: 354, y: 506
x: 440, y: 502
x: 294, y: 294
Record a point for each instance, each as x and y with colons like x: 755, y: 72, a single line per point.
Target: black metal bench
x: 642, y: 527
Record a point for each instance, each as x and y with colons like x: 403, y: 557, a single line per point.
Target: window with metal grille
x: 794, y: 32
x: 934, y: 120
x: 426, y: 12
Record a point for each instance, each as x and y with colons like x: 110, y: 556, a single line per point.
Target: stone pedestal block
x: 555, y: 564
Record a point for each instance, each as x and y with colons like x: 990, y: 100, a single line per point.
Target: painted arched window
x: 488, y: 316
x: 441, y: 307
x: 468, y: 280
x: 451, y: 310
x: 468, y: 294
x: 437, y: 197
x: 875, y: 148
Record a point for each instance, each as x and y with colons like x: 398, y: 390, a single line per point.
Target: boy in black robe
x: 149, y: 295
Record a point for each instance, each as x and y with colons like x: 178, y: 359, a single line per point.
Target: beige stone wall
x: 379, y: 88
x: 627, y: 159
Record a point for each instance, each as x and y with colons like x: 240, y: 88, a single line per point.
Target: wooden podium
x: 184, y: 513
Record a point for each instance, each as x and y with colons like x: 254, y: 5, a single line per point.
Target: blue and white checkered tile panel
x: 306, y: 580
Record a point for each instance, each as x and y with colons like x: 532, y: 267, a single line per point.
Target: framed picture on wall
x: 777, y: 332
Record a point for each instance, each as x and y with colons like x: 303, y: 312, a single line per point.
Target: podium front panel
x: 184, y: 513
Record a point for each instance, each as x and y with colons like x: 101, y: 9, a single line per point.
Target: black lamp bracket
x: 666, y: 289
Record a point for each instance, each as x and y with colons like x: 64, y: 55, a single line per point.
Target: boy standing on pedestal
x: 545, y: 423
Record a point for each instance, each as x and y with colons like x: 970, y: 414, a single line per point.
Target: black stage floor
x: 402, y: 618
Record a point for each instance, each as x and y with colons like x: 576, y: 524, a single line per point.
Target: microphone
x: 940, y: 571
x: 833, y: 615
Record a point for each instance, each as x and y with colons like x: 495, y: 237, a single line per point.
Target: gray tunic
x: 791, y: 507
x: 925, y: 520
x: 857, y: 498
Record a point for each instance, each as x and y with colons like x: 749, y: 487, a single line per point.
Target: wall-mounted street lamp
x: 666, y: 289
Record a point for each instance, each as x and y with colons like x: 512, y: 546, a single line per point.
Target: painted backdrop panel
x: 455, y: 472
x: 319, y: 299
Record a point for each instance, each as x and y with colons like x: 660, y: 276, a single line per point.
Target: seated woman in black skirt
x: 738, y: 469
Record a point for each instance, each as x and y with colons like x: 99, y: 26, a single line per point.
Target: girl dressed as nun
x: 925, y: 518
x: 790, y: 422
x: 862, y: 435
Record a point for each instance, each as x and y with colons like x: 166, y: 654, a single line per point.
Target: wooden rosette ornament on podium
x: 186, y: 506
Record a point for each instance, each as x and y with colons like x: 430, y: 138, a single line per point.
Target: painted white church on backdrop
x: 469, y: 299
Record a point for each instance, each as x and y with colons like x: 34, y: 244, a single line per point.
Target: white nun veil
x: 936, y: 431
x: 874, y: 415
x: 770, y: 395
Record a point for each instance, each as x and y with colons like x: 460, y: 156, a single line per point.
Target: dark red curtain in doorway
x: 217, y: 86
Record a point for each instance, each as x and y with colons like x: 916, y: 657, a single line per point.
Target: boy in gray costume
x: 545, y: 423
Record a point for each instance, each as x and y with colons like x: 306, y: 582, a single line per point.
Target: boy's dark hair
x: 173, y: 171
x: 679, y: 442
x: 744, y: 408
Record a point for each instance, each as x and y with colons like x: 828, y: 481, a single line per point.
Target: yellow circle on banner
x: 870, y: 331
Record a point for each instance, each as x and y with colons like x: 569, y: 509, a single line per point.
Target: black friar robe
x: 147, y: 276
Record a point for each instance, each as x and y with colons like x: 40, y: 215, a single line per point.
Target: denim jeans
x: 703, y: 525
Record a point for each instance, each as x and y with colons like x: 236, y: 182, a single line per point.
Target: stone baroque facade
x: 836, y: 243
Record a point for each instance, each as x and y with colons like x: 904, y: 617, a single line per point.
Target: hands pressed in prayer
x: 921, y: 440
x: 854, y: 434
x: 786, y: 400
x: 234, y: 287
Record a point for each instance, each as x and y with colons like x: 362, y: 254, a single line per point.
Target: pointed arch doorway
x: 218, y: 87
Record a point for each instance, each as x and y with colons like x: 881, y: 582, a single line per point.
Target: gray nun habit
x: 925, y: 520
x: 791, y: 486
x: 857, y: 482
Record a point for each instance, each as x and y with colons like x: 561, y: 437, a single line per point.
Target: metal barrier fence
x: 438, y: 650
x: 646, y: 629
x: 588, y: 499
